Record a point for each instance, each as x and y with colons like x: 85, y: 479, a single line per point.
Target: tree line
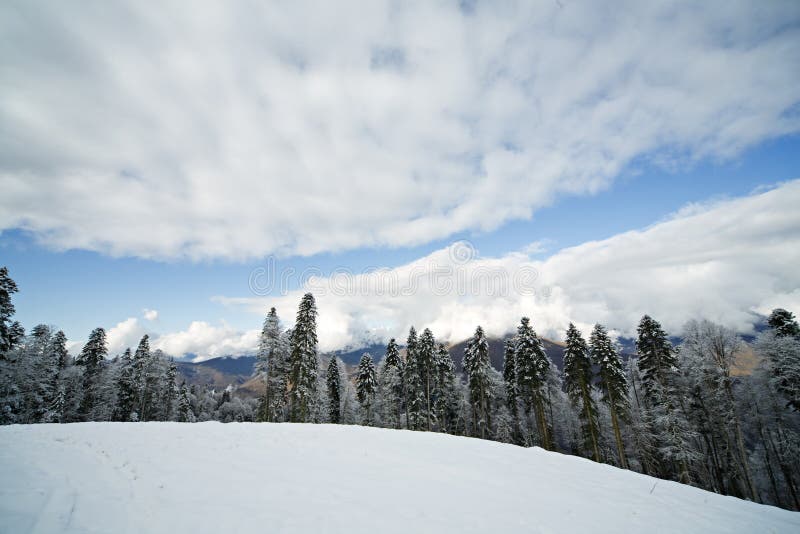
x: 679, y: 413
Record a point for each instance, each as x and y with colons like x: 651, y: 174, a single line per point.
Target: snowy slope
x: 209, y: 477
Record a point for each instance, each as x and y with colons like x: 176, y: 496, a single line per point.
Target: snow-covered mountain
x: 209, y: 477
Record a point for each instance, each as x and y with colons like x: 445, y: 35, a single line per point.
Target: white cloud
x: 238, y: 129
x: 208, y: 341
x: 150, y: 315
x: 723, y: 261
x: 125, y: 334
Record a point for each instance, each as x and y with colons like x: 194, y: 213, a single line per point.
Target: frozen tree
x: 10, y: 332
x: 578, y: 379
x: 511, y: 390
x: 390, y: 386
x: 710, y: 351
x: 612, y: 383
x: 91, y: 359
x: 185, y: 412
x: 426, y: 358
x: 304, y: 362
x: 126, y: 388
x: 783, y: 323
x: 445, y: 391
x: 415, y: 395
x: 782, y: 348
x: 532, y: 367
x: 272, y: 365
x: 366, y: 386
x: 333, y: 383
x: 477, y: 366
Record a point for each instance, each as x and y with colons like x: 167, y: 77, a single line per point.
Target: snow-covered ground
x: 209, y: 477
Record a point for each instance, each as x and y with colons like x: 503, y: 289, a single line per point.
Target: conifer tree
x: 333, y: 384
x: 578, y: 380
x: 415, y: 398
x: 511, y: 389
x: 784, y: 355
x: 273, y: 367
x: 126, y: 388
x: 532, y: 366
x: 91, y: 358
x: 426, y: 358
x: 304, y: 361
x: 612, y: 382
x: 445, y: 401
x: 145, y: 377
x: 657, y: 359
x: 366, y: 385
x: 185, y: 414
x: 476, y: 366
x: 783, y: 323
x: 391, y: 384
x: 10, y: 332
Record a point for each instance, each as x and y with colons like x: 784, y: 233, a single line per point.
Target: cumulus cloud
x: 237, y: 129
x: 726, y: 261
x: 125, y: 334
x: 150, y: 315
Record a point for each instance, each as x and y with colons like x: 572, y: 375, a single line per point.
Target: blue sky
x: 155, y: 168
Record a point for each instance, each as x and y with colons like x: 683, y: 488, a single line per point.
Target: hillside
x: 210, y: 477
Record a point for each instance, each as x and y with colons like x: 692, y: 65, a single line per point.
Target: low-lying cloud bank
x: 728, y: 261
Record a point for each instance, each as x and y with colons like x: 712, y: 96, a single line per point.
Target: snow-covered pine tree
x: 185, y: 414
x: 366, y: 386
x: 783, y: 323
x: 783, y: 350
x: 445, y: 391
x: 273, y: 366
x: 146, y: 377
x: 415, y: 398
x: 578, y: 379
x: 511, y: 390
x: 390, y: 386
x: 91, y: 358
x: 10, y: 332
x: 333, y: 383
x: 126, y: 388
x: 657, y: 363
x: 656, y: 358
x: 62, y: 360
x: 304, y: 362
x: 476, y: 366
x: 426, y: 360
x: 612, y: 382
x: 169, y: 390
x: 532, y: 366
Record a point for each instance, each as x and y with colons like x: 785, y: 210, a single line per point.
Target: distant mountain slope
x: 253, y: 478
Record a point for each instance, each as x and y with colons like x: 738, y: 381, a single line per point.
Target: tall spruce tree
x: 333, y: 382
x: 532, y: 369
x: 445, y: 401
x: 415, y: 398
x: 656, y: 358
x: 126, y: 388
x: 511, y: 390
x: 391, y: 390
x: 10, y: 332
x: 783, y: 323
x: 426, y: 359
x: 477, y: 366
x: 613, y: 384
x: 272, y: 366
x: 91, y: 358
x: 304, y: 362
x: 366, y: 386
x: 578, y: 378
